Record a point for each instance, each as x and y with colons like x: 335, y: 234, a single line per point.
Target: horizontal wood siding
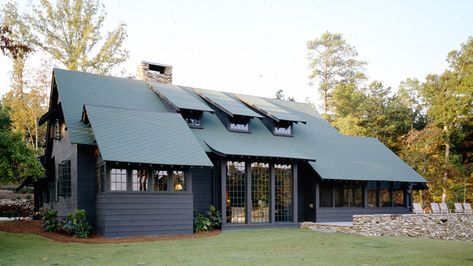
x: 202, y: 188
x: 64, y: 150
x: 346, y: 214
x: 144, y: 214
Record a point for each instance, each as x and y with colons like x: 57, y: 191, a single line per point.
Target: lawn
x: 241, y: 247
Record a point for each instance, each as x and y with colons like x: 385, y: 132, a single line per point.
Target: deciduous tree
x: 71, y: 32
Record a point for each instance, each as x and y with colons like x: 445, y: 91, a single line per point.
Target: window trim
x: 65, y: 164
x: 150, y: 183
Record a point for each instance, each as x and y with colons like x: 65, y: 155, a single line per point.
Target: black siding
x: 202, y: 188
x: 133, y: 214
x: 86, y: 181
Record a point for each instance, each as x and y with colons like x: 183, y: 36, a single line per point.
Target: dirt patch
x: 35, y: 227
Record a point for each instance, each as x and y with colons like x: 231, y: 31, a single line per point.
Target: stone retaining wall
x: 446, y: 226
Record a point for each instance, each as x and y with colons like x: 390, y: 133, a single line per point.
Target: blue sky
x: 258, y: 47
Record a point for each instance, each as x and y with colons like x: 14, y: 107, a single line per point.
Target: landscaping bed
x: 35, y: 227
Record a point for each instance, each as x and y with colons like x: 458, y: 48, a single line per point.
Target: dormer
x: 279, y: 121
x: 234, y: 115
x: 179, y: 99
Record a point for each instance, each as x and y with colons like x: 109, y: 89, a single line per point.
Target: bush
x: 212, y: 220
x: 50, y: 222
x: 76, y: 224
x: 201, y: 223
x: 215, y: 217
x: 16, y: 208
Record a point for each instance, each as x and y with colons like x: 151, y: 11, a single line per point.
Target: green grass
x: 241, y: 247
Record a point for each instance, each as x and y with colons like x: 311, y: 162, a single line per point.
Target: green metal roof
x: 226, y: 104
x: 269, y: 109
x: 179, y: 98
x: 337, y: 156
x: 126, y: 135
x: 79, y: 88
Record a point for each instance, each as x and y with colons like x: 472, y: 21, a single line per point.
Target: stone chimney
x: 149, y: 71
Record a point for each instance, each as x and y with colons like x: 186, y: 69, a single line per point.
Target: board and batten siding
x: 341, y: 214
x: 121, y: 214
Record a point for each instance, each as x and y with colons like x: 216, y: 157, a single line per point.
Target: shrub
x: 76, y: 224
x: 50, y: 222
x: 16, y: 208
x: 201, y: 223
x: 215, y: 217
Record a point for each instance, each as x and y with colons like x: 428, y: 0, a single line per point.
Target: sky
x: 258, y: 47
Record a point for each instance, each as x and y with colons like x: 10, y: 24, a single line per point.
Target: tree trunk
x: 447, y: 157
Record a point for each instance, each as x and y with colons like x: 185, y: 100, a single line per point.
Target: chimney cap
x: 155, y: 64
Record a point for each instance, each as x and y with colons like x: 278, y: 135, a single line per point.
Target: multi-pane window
x: 239, y: 124
x: 178, y: 181
x: 64, y: 179
x: 283, y: 197
x: 372, y: 194
x: 139, y: 180
x: 260, y: 192
x: 236, y: 192
x: 326, y: 194
x: 385, y: 194
x: 193, y: 118
x: 160, y: 180
x: 283, y: 128
x: 118, y: 179
x: 283, y: 131
x: 398, y: 195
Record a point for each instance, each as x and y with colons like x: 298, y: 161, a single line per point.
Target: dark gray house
x: 140, y: 155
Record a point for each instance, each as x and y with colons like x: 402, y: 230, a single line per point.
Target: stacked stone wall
x: 446, y: 226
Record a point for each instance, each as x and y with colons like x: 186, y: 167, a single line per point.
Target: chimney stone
x: 149, y: 71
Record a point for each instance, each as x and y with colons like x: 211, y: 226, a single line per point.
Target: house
x: 140, y: 155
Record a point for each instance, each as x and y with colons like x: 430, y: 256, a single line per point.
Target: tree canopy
x: 71, y: 32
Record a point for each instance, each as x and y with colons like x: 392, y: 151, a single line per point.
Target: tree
x: 280, y: 96
x: 333, y: 61
x: 17, y: 161
x: 71, y: 32
x: 449, y: 97
x: 408, y: 94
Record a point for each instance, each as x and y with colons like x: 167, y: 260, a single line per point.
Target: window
x: 372, y: 194
x: 239, y: 124
x: 326, y: 194
x: 260, y: 192
x: 64, y: 179
x: 283, y: 197
x: 283, y: 128
x: 57, y: 129
x: 193, y: 118
x: 139, y: 179
x: 118, y: 179
x: 179, y: 181
x: 160, y: 180
x: 236, y: 192
x: 349, y: 195
x: 398, y: 193
x: 385, y: 194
